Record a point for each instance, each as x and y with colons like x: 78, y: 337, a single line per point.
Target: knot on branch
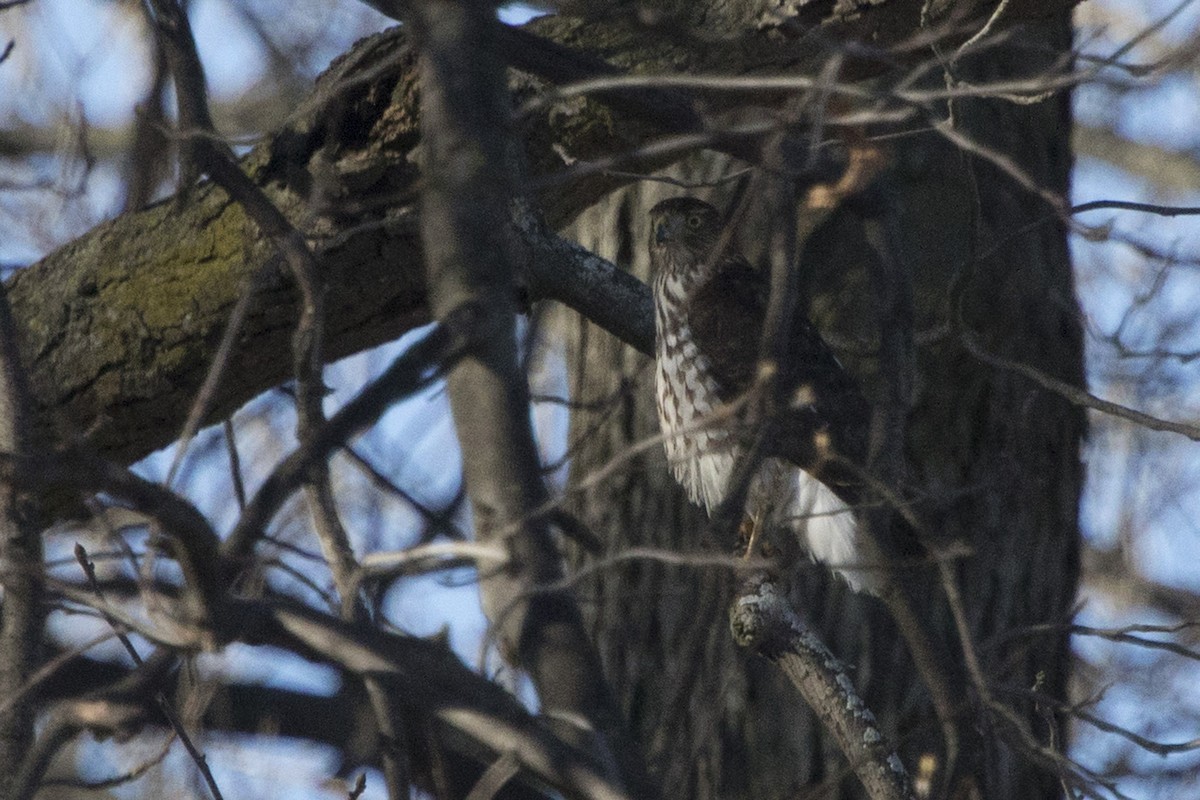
x: 760, y: 617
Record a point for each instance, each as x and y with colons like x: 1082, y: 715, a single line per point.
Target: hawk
x: 709, y: 305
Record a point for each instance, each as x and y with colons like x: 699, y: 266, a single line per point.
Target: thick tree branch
x: 763, y: 620
x: 359, y: 140
x: 557, y: 269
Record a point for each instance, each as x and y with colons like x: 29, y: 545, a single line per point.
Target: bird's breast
x: 697, y: 441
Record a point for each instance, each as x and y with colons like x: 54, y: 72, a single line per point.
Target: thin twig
x: 1076, y: 395
x: 1128, y: 205
x: 1149, y: 745
x: 235, y: 464
x: 160, y: 699
x: 408, y: 373
x: 128, y: 776
x: 441, y: 521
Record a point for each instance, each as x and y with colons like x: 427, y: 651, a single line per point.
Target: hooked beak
x: 664, y: 229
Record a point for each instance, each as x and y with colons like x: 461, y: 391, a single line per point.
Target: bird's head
x: 683, y: 226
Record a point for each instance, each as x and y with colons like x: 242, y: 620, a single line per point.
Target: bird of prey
x: 710, y: 305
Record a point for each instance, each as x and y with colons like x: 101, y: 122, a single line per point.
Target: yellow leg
x: 750, y: 530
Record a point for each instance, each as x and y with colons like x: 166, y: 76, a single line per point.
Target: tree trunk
x: 996, y: 458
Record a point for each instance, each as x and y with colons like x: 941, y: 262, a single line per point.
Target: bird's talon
x: 748, y: 532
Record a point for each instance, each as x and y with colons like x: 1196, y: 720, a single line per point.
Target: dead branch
x: 763, y: 621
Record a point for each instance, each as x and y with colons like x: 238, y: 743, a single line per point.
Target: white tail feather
x: 832, y: 533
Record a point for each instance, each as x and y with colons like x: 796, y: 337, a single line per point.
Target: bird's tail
x: 832, y: 533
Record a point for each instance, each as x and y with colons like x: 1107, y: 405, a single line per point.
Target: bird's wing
x: 828, y: 413
x: 826, y: 425
x: 725, y: 314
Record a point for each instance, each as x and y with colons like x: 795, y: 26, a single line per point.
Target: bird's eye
x: 694, y: 221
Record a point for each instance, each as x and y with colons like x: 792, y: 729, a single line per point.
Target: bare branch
x: 763, y: 621
x: 160, y: 699
x: 1076, y: 395
x: 562, y: 270
x: 116, y: 710
x: 410, y: 371
x: 464, y: 208
x: 430, y: 678
x: 193, y: 544
x: 22, y: 614
x: 1170, y: 170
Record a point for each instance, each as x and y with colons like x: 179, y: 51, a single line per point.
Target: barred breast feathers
x: 701, y: 457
